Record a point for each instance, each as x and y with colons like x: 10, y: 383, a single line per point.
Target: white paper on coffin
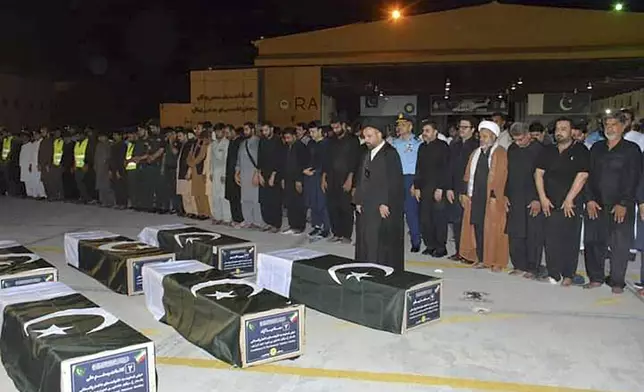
x: 31, y: 293
x: 150, y: 235
x: 8, y: 244
x: 72, y: 240
x: 153, y: 274
x: 274, y: 268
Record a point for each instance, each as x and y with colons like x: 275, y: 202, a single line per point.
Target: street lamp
x: 618, y: 7
x: 396, y: 14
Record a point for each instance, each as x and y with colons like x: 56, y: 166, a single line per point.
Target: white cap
x: 490, y: 126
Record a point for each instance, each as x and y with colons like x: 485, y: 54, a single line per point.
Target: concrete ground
x: 536, y: 337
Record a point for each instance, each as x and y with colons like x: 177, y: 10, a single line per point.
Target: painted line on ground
x: 356, y: 375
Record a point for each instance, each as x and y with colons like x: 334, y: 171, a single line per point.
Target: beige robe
x: 496, y: 247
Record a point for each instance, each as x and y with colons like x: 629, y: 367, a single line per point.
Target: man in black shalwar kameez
x: 379, y: 200
x: 270, y: 156
x: 525, y: 220
x: 292, y: 174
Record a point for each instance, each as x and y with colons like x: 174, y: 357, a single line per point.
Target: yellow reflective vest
x: 128, y: 156
x: 80, y: 148
x: 6, y: 147
x: 58, y: 151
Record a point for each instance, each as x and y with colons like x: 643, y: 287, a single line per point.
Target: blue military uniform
x: 408, y: 152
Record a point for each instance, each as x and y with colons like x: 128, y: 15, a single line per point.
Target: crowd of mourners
x: 511, y: 192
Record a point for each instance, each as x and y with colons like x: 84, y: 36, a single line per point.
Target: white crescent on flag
x: 108, y: 321
x: 333, y: 270
x: 194, y: 235
x: 112, y: 246
x: 32, y: 257
x: 221, y: 282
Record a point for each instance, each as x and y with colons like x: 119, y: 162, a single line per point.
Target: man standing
x: 538, y: 133
x: 247, y: 177
x: 483, y: 236
x: 218, y: 158
x: 233, y: 191
x: 35, y: 178
x: 317, y: 153
x: 183, y: 181
x: 292, y: 174
x: 81, y: 167
x: 154, y: 176
x: 406, y: 144
x: 615, y: 166
x: 102, y: 170
x: 70, y: 190
x: 167, y: 199
x: 380, y: 198
x: 430, y: 183
x: 45, y: 160
x: 460, y: 151
x: 504, y: 139
x: 525, y: 221
x: 198, y: 170
x: 337, y: 180
x: 270, y: 157
x: 562, y: 171
x: 54, y: 184
x: 118, y: 152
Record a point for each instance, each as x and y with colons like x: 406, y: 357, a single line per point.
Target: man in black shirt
x: 292, y: 182
x: 430, y: 183
x: 460, y: 151
x: 117, y: 170
x: 317, y: 155
x: 167, y: 198
x: 525, y: 220
x: 270, y: 157
x: 233, y: 191
x: 615, y: 166
x: 562, y: 171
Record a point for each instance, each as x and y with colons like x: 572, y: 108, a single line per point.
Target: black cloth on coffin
x: 34, y: 363
x: 214, y: 325
x: 20, y: 263
x: 110, y: 268
x: 200, y: 249
x: 377, y: 301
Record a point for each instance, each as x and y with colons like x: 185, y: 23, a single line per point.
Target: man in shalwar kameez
x: 483, y: 237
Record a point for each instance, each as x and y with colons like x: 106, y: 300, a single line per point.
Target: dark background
x: 127, y: 56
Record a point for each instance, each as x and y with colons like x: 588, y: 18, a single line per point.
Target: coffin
x: 368, y: 294
x: 231, y: 318
x: 54, y: 339
x: 232, y: 255
x: 19, y: 266
x: 111, y: 259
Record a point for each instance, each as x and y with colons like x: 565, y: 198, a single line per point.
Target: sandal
x: 479, y: 265
x: 567, y: 282
x: 529, y: 275
x: 496, y: 269
x: 516, y: 272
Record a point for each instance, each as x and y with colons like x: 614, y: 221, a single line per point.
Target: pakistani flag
x: 368, y: 294
x: 53, y: 339
x: 113, y: 260
x: 229, y: 254
x: 19, y: 266
x: 233, y: 319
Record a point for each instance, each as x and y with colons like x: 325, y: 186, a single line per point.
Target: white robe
x: 29, y: 173
x: 220, y: 207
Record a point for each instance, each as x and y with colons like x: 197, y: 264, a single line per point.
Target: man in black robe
x: 430, y: 183
x: 379, y: 200
x: 233, y: 190
x: 338, y: 178
x: 117, y: 170
x: 460, y: 151
x: 562, y: 171
x: 525, y: 220
x: 269, y: 158
x: 615, y: 166
x: 292, y: 174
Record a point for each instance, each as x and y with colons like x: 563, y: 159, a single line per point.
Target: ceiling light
x: 520, y: 82
x: 589, y: 86
x: 514, y: 87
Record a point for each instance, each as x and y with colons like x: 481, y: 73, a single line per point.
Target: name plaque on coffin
x: 232, y: 318
x: 114, y: 260
x: 54, y: 339
x: 19, y: 266
x: 231, y: 255
x: 367, y: 294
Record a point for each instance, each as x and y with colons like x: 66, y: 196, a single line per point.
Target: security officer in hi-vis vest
x: 50, y: 157
x: 81, y: 166
x: 153, y: 179
x: 131, y: 165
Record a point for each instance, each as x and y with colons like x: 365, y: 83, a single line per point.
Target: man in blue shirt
x: 407, y: 146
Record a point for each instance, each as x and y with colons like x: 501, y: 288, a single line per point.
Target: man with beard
x: 45, y: 159
x: 81, y: 166
x: 525, y: 221
x: 54, y: 172
x: 430, y: 183
x: 302, y: 133
x: 197, y: 158
x: 460, y: 151
x: 504, y: 140
x: 140, y: 194
x: 270, y: 157
x: 218, y: 157
x: 379, y: 199
x: 118, y: 179
x: 233, y: 191
x: 34, y: 185
x: 317, y: 152
x: 183, y: 183
x: 483, y: 236
x: 154, y: 165
x: 615, y: 166
x: 70, y: 189
x: 337, y: 180
x: 248, y: 178
x: 562, y: 171
x: 407, y: 144
x: 538, y: 133
x: 102, y: 170
x: 9, y: 163
x: 168, y: 201
x: 292, y: 174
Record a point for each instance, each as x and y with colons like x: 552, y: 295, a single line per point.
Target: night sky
x: 147, y: 47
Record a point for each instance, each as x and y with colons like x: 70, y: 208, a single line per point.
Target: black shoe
x: 428, y: 252
x: 316, y: 231
x: 415, y: 249
x: 439, y: 253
